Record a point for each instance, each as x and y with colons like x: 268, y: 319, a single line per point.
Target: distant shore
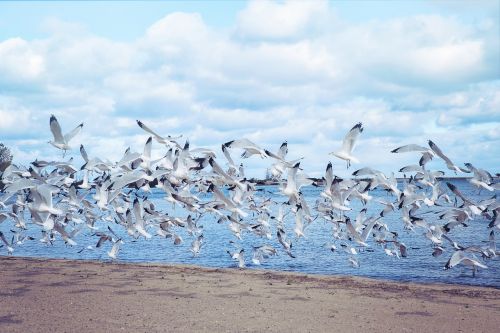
x: 53, y: 295
x: 320, y: 181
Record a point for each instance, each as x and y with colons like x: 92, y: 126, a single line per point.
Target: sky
x: 269, y: 71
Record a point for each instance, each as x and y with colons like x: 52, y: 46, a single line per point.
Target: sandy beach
x: 41, y: 295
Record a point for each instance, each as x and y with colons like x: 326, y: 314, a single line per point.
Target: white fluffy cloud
x: 20, y: 62
x: 290, y: 70
x: 263, y: 20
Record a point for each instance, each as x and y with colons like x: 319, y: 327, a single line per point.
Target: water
x: 311, y: 254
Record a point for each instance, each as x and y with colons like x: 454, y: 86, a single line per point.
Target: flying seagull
x: 168, y: 140
x: 449, y: 164
x: 459, y: 257
x: 62, y: 141
x: 348, y: 145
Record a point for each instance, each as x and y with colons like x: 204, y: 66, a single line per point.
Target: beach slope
x: 42, y: 295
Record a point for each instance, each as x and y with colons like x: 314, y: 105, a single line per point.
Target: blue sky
x: 271, y: 71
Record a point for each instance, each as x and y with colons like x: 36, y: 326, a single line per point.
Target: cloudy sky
x: 300, y: 71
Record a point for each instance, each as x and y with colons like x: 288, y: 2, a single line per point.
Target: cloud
x: 289, y: 70
x: 20, y: 62
x: 12, y: 121
x: 178, y: 28
x: 266, y: 20
x: 457, y: 59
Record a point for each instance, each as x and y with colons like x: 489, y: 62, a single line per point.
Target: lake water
x: 311, y: 254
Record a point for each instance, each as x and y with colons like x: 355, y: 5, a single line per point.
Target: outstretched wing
x: 55, y: 128
x: 158, y: 137
x: 351, y: 137
x: 74, y: 132
x: 83, y: 152
x: 410, y: 148
x: 439, y: 153
x: 283, y: 150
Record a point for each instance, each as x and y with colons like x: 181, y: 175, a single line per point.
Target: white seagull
x: 459, y: 257
x: 449, y: 164
x: 348, y: 145
x: 62, y: 141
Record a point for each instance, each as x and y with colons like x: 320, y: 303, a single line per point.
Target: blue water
x: 311, y: 254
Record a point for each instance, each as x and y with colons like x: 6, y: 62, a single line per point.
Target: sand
x: 41, y: 295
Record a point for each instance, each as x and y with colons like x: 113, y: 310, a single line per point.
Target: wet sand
x: 41, y: 295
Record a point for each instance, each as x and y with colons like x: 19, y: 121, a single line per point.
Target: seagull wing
x: 455, y: 259
x: 355, y: 235
x: 228, y: 157
x: 114, y: 250
x: 127, y: 178
x: 147, y: 149
x: 328, y: 176
x: 83, y: 152
x: 351, y: 137
x: 241, y: 143
x: 283, y: 150
x: 101, y: 240
x: 426, y: 157
x: 139, y: 221
x: 459, y: 194
x: 129, y: 157
x: 410, y: 148
x: 55, y: 128
x: 45, y: 191
x: 158, y: 138
x: 367, y: 171
x: 75, y: 131
x: 218, y: 170
x: 445, y: 158
x: 368, y: 228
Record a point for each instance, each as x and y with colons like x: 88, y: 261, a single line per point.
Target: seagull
x: 232, y: 167
x: 477, y: 210
x: 67, y: 237
x: 262, y: 252
x: 248, y: 146
x: 427, y: 154
x: 287, y: 245
x: 196, y: 245
x: 42, y: 199
x: 139, y: 220
x: 60, y: 141
x: 482, y: 178
x: 281, y: 164
x: 167, y: 141
x: 361, y: 238
x: 449, y: 164
x: 10, y: 249
x: 114, y: 250
x: 459, y: 257
x: 240, y: 256
x: 91, y: 163
x: 295, y: 180
x: 299, y: 223
x: 228, y: 203
x: 348, y: 145
x: 354, y: 262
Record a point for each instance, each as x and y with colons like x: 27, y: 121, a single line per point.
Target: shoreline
x: 61, y: 295
x: 249, y: 270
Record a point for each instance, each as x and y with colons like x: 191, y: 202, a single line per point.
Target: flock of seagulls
x: 108, y: 201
